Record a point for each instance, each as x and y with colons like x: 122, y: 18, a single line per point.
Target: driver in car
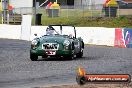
x: 70, y: 35
x: 49, y: 31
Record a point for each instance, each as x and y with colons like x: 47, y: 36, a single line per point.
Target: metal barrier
x: 12, y: 19
x: 15, y: 19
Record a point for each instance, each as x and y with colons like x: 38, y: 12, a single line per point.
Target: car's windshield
x: 52, y: 31
x: 56, y: 30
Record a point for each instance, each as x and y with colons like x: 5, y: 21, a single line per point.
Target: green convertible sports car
x: 59, y: 41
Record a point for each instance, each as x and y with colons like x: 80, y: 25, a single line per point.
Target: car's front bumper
x: 58, y: 53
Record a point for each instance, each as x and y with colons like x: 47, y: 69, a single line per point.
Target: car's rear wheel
x: 33, y: 57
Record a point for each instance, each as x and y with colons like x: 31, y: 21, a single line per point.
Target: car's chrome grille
x: 50, y: 46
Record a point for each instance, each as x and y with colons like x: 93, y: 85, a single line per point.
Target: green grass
x: 85, y: 18
x: 62, y: 20
x: 117, y: 22
x: 106, y: 22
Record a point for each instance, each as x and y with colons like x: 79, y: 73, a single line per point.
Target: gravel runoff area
x: 18, y: 71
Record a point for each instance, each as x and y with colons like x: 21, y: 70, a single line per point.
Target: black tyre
x: 80, y: 54
x: 71, y: 57
x: 33, y: 57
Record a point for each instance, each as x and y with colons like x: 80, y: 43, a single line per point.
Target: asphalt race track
x: 18, y: 71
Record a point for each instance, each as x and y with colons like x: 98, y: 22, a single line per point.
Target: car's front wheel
x: 72, y: 56
x: 33, y: 57
x: 80, y: 54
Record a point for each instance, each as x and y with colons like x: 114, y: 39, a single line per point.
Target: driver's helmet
x: 49, y: 31
x: 70, y: 35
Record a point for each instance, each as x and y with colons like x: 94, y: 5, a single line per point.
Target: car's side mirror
x: 35, y: 34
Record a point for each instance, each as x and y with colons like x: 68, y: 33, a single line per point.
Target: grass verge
x: 115, y: 22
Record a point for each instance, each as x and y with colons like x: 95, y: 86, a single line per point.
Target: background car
x: 59, y: 41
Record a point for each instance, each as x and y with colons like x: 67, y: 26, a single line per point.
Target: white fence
x: 90, y: 35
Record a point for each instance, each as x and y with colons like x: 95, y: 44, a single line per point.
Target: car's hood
x: 53, y: 39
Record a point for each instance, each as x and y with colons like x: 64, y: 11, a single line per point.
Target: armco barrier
x: 91, y: 35
x: 97, y: 35
x: 10, y: 31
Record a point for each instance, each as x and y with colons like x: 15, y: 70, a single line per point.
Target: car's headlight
x: 34, y: 42
x: 66, y: 43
